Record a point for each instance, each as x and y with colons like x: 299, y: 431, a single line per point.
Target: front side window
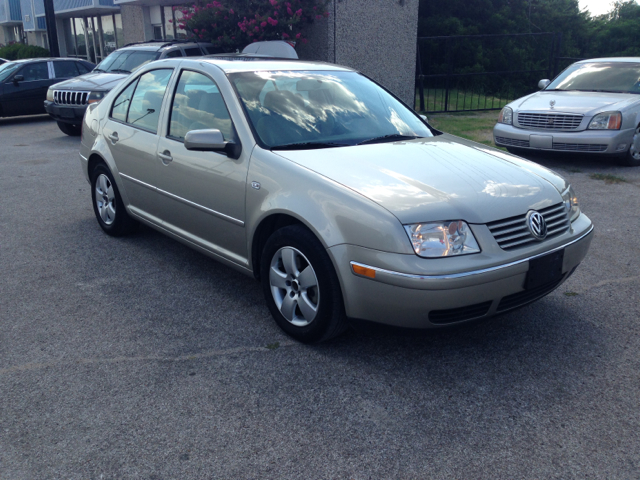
x: 139, y: 104
x: 35, y: 71
x: 317, y: 108
x: 198, y: 105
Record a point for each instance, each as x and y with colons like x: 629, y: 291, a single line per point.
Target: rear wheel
x: 107, y: 203
x: 301, y: 287
x: 71, y: 130
x: 632, y: 159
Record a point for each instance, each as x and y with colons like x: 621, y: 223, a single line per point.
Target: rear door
x: 27, y: 97
x: 131, y: 133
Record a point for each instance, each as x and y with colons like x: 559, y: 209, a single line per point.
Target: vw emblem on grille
x: 552, y: 103
x: 537, y: 225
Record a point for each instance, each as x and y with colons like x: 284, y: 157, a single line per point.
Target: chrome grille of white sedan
x: 513, y: 232
x: 549, y: 121
x: 67, y: 97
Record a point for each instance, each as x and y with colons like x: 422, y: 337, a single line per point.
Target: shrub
x: 16, y: 51
x: 239, y: 22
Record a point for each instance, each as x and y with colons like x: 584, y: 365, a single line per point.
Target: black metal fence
x: 483, y: 72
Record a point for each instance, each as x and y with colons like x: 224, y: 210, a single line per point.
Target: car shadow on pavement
x: 29, y: 119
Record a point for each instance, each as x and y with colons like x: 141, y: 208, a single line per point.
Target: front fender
x: 333, y: 212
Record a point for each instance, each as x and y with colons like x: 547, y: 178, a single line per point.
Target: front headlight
x: 49, y: 95
x: 506, y: 116
x: 606, y: 121
x: 95, y: 97
x: 571, y: 203
x: 442, y: 239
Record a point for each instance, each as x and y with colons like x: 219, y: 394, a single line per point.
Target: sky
x: 596, y: 7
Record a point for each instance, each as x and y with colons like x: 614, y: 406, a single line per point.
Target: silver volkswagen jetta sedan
x: 592, y: 107
x: 341, y: 200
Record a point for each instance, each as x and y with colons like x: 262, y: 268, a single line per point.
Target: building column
x: 381, y: 44
x: 135, y: 23
x: 100, y: 38
x: 85, y: 24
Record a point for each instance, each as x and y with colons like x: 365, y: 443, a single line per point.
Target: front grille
x: 459, y: 314
x: 68, y: 97
x: 527, y: 296
x: 512, y: 142
x: 513, y: 232
x: 549, y: 121
x: 580, y: 147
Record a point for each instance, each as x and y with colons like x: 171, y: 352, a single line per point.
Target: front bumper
x: 71, y: 114
x: 417, y: 299
x: 605, y: 142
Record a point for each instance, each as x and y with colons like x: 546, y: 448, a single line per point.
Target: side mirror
x: 18, y: 78
x: 211, y: 141
x: 424, y: 117
x: 542, y: 84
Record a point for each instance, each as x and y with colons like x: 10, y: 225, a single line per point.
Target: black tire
x: 107, y: 203
x: 632, y: 158
x: 71, y: 130
x: 298, y: 243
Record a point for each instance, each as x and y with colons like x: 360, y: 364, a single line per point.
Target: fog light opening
x: 621, y: 146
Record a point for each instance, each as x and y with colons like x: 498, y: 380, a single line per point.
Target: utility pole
x: 52, y: 32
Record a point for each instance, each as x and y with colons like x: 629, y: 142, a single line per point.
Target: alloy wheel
x: 294, y: 286
x: 105, y: 199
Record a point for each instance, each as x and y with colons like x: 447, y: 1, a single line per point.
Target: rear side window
x: 35, y: 71
x: 65, y: 69
x: 82, y: 68
x: 173, y: 53
x: 193, y: 52
x: 139, y: 104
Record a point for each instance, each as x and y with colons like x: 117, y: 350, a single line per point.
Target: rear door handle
x: 165, y: 157
x: 113, y: 137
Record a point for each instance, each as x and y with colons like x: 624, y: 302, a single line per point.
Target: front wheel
x: 71, y: 130
x: 107, y: 203
x: 301, y: 287
x: 632, y: 159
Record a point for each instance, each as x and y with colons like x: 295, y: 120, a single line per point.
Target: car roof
x: 46, y: 59
x: 251, y: 64
x: 611, y: 59
x: 157, y: 45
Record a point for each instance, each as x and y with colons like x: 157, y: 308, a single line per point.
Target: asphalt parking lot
x: 140, y: 358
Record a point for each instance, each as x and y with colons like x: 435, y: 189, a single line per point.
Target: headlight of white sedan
x: 442, y: 239
x: 606, y: 121
x: 50, y: 95
x: 571, y: 203
x: 506, y: 116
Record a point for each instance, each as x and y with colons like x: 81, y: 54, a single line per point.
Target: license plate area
x: 545, y: 269
x: 67, y: 113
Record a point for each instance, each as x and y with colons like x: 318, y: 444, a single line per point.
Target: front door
x: 26, y: 97
x: 203, y: 193
x: 131, y: 132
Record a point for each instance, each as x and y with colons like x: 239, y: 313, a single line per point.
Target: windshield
x: 323, y: 109
x: 616, y: 77
x: 126, y: 61
x: 7, y: 69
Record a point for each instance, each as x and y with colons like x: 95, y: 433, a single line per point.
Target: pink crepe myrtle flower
x: 231, y: 11
x: 263, y: 24
x: 273, y: 2
x: 299, y: 13
x: 289, y: 11
x: 272, y: 22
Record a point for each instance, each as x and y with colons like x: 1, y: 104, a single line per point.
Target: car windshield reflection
x: 323, y: 109
x: 607, y: 77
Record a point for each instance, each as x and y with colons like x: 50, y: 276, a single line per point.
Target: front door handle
x: 166, y: 157
x: 113, y: 137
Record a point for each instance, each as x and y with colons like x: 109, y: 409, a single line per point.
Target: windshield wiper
x: 389, y: 138
x: 98, y: 70
x: 119, y: 70
x: 309, y: 146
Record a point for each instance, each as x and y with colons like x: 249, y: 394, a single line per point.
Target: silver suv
x: 67, y: 101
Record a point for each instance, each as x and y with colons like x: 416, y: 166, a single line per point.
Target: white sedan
x: 591, y: 107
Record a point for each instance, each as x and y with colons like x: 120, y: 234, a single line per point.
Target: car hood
x: 92, y: 81
x: 439, y: 178
x: 585, y: 103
